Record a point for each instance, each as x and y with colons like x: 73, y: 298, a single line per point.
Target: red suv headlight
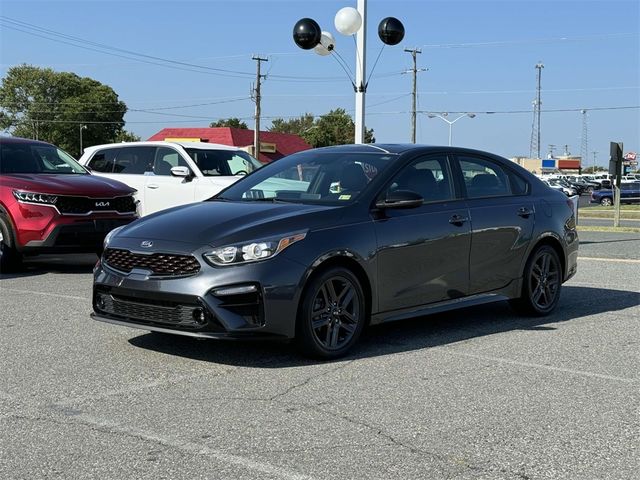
x: 33, y: 197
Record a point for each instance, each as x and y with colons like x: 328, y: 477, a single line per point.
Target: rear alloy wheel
x: 542, y: 283
x: 606, y: 202
x: 10, y: 258
x: 333, y: 314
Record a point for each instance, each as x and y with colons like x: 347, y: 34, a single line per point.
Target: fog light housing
x: 199, y: 316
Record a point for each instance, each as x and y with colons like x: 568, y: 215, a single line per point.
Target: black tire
x: 332, y: 314
x: 606, y: 201
x: 10, y: 258
x: 542, y: 283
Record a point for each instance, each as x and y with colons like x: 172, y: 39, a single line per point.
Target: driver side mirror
x: 400, y: 199
x: 181, y: 172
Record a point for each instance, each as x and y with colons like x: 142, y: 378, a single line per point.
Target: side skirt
x: 510, y: 291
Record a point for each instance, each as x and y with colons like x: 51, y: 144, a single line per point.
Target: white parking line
x: 191, y: 447
x: 613, y: 260
x: 46, y: 294
x: 544, y: 367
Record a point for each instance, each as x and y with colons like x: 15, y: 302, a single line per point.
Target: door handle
x: 153, y: 186
x: 458, y: 220
x: 524, y: 212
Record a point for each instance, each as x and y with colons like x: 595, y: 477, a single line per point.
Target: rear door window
x: 134, y: 160
x: 483, y: 178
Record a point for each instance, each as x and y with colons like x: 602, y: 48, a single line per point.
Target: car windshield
x: 223, y: 162
x: 37, y: 158
x: 313, y: 176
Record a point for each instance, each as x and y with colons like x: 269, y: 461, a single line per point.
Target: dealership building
x: 272, y: 145
x: 559, y: 164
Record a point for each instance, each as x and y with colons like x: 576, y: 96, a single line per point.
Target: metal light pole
x: 82, y: 127
x: 443, y: 116
x: 361, y: 61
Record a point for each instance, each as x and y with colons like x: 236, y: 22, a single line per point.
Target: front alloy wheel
x: 542, y: 283
x: 606, y: 202
x: 332, y: 314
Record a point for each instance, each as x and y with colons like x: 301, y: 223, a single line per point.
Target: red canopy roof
x: 285, y: 143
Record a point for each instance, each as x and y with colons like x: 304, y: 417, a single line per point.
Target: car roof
x: 21, y: 141
x: 400, y: 148
x: 157, y: 143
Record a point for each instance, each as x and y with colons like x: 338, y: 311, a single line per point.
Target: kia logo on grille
x: 102, y: 204
x: 147, y: 244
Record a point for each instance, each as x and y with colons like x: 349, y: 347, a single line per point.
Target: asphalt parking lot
x: 478, y: 393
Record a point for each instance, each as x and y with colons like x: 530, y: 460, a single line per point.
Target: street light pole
x: 361, y: 60
x: 443, y: 116
x: 82, y: 127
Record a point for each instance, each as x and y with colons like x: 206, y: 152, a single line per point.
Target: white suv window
x: 165, y: 160
x: 134, y: 160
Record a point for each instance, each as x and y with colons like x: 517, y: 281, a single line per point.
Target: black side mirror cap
x: 401, y: 199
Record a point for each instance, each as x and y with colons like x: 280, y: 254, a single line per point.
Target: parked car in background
x: 379, y: 233
x: 51, y: 204
x: 168, y: 174
x: 557, y: 184
x: 629, y: 193
x: 631, y: 178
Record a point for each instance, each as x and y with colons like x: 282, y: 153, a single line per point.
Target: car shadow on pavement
x: 42, y: 264
x: 429, y: 331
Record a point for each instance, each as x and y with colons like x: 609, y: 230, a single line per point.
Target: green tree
x: 127, y: 136
x: 53, y: 106
x: 232, y: 122
x: 597, y: 168
x: 333, y: 128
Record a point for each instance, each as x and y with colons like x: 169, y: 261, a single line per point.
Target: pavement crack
x: 307, y: 380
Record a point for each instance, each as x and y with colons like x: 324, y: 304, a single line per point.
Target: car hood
x: 221, y: 222
x: 67, y: 184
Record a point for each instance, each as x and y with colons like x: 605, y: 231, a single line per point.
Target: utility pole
x: 594, y: 161
x: 257, y: 97
x: 584, y: 147
x: 537, y: 104
x: 414, y: 96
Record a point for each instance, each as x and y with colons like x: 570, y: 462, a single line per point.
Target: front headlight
x: 252, y: 251
x: 110, y: 236
x: 33, y: 197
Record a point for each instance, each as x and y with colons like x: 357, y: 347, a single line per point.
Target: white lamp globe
x: 326, y: 45
x: 348, y: 21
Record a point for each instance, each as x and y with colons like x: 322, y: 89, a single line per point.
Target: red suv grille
x: 84, y: 205
x: 159, y: 264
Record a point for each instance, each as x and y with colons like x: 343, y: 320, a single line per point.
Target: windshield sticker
x: 344, y: 197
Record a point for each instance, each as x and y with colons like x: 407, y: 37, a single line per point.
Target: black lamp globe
x: 391, y: 31
x: 307, y: 33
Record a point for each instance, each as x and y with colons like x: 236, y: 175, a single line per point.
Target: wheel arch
x: 344, y: 259
x: 552, y: 240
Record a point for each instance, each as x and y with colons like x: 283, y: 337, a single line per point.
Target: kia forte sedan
x: 356, y: 235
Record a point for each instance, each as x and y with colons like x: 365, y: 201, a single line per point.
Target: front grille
x: 83, y: 205
x: 159, y: 264
x: 168, y: 313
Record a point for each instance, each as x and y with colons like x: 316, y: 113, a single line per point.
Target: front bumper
x: 195, y: 306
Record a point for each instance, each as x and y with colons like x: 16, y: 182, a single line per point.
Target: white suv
x: 168, y: 174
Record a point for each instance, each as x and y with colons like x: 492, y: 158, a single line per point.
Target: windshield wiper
x: 266, y: 199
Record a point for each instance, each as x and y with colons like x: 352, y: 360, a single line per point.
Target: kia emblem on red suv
x: 102, y: 204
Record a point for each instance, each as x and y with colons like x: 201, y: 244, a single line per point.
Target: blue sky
x: 480, y: 55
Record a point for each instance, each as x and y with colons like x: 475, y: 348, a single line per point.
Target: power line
x: 501, y: 43
x: 78, y: 42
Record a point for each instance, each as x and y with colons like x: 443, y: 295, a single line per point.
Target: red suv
x: 51, y: 204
